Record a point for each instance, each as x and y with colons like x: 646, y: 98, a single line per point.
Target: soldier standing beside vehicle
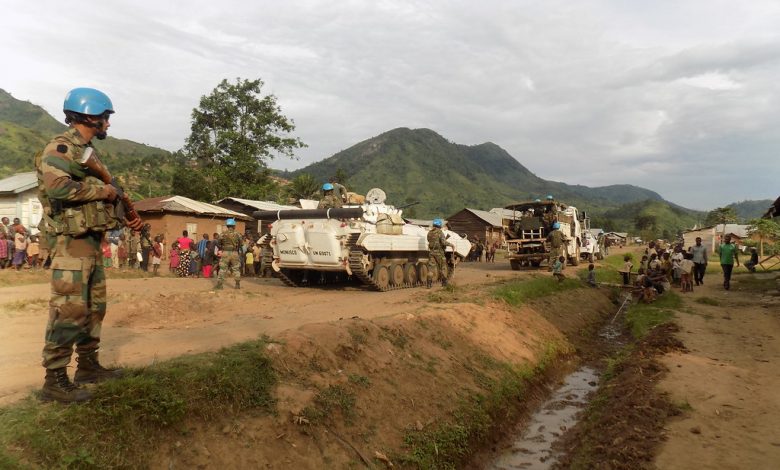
x: 436, y: 245
x: 228, y: 245
x: 556, y: 241
x: 329, y: 199
x: 77, y: 213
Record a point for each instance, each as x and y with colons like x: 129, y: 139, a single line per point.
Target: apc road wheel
x: 422, y: 272
x: 381, y: 276
x: 396, y: 274
x: 410, y: 274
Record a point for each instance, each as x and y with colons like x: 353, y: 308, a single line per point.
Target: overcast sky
x: 680, y: 97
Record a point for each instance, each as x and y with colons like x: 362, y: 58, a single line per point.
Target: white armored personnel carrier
x: 369, y: 243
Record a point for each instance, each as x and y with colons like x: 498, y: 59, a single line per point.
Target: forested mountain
x: 420, y: 165
x: 747, y: 210
x: 25, y: 129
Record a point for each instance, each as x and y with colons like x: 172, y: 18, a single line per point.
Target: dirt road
x: 157, y: 318
x: 729, y: 380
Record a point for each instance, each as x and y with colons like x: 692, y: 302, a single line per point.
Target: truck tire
x: 515, y: 265
x: 575, y: 260
x: 536, y: 264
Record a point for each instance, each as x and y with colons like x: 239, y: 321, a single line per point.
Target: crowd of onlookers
x: 18, y: 248
x: 128, y: 250
x: 482, y: 251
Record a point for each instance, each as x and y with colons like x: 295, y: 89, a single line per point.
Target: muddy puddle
x: 535, y: 448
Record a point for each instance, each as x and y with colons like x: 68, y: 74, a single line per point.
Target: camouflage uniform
x: 555, y: 238
x: 340, y: 191
x: 229, y: 243
x: 72, y: 228
x: 436, y: 244
x: 329, y: 201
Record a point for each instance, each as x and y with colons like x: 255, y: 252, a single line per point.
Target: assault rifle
x: 125, y: 211
x: 408, y: 205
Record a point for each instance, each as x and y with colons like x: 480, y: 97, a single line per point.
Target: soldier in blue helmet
x: 556, y: 240
x: 228, y: 244
x: 437, y: 242
x: 329, y: 199
x: 77, y: 212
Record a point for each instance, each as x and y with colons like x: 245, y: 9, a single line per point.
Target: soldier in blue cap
x: 228, y: 244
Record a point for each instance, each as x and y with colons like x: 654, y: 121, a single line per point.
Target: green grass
x: 519, y: 291
x: 330, y: 400
x: 128, y: 417
x: 640, y: 318
x: 503, y: 385
x: 756, y: 283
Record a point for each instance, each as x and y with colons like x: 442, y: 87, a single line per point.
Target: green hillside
x: 25, y: 129
x: 747, y: 210
x: 648, y: 219
x: 420, y: 165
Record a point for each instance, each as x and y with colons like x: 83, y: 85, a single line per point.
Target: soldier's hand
x: 136, y: 224
x: 110, y: 192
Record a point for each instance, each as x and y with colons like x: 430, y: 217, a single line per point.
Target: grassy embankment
x: 12, y: 277
x: 129, y: 417
x: 504, y: 386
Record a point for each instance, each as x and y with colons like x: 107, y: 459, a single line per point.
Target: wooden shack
x: 477, y: 224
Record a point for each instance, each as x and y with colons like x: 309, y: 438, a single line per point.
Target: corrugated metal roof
x: 186, y: 205
x: 505, y: 213
x: 19, y: 182
x: 260, y: 205
x: 739, y: 230
x: 493, y: 219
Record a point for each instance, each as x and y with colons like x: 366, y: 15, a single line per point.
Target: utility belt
x: 74, y: 220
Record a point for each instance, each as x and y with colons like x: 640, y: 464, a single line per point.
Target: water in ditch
x: 534, y: 447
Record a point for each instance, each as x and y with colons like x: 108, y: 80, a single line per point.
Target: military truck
x: 368, y: 243
x: 530, y: 224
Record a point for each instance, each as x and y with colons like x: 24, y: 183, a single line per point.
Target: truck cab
x: 531, y: 222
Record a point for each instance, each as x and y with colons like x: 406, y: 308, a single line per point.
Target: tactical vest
x: 230, y: 241
x: 434, y: 240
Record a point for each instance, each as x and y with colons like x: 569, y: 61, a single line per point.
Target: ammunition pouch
x: 76, y: 220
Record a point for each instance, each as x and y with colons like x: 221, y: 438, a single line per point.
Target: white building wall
x: 25, y: 206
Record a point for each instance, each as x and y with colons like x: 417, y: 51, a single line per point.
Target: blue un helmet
x: 556, y: 225
x: 327, y: 187
x: 87, y: 101
x: 231, y: 222
x: 437, y: 223
x: 549, y: 197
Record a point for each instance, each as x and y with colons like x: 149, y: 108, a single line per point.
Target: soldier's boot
x: 218, y: 286
x: 58, y: 387
x: 90, y: 371
x: 238, y: 284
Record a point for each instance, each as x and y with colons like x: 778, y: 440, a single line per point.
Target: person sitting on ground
x: 329, y: 199
x: 592, y: 275
x: 557, y: 268
x: 647, y: 292
x: 751, y: 264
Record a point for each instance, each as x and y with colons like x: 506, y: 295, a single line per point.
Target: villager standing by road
x: 229, y: 244
x: 146, y: 246
x: 699, y: 253
x: 728, y: 257
x: 77, y: 212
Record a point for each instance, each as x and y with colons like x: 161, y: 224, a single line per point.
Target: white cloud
x: 672, y: 96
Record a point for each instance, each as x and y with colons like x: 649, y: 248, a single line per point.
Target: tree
x: 235, y: 131
x: 303, y: 186
x: 721, y: 215
x: 765, y: 229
